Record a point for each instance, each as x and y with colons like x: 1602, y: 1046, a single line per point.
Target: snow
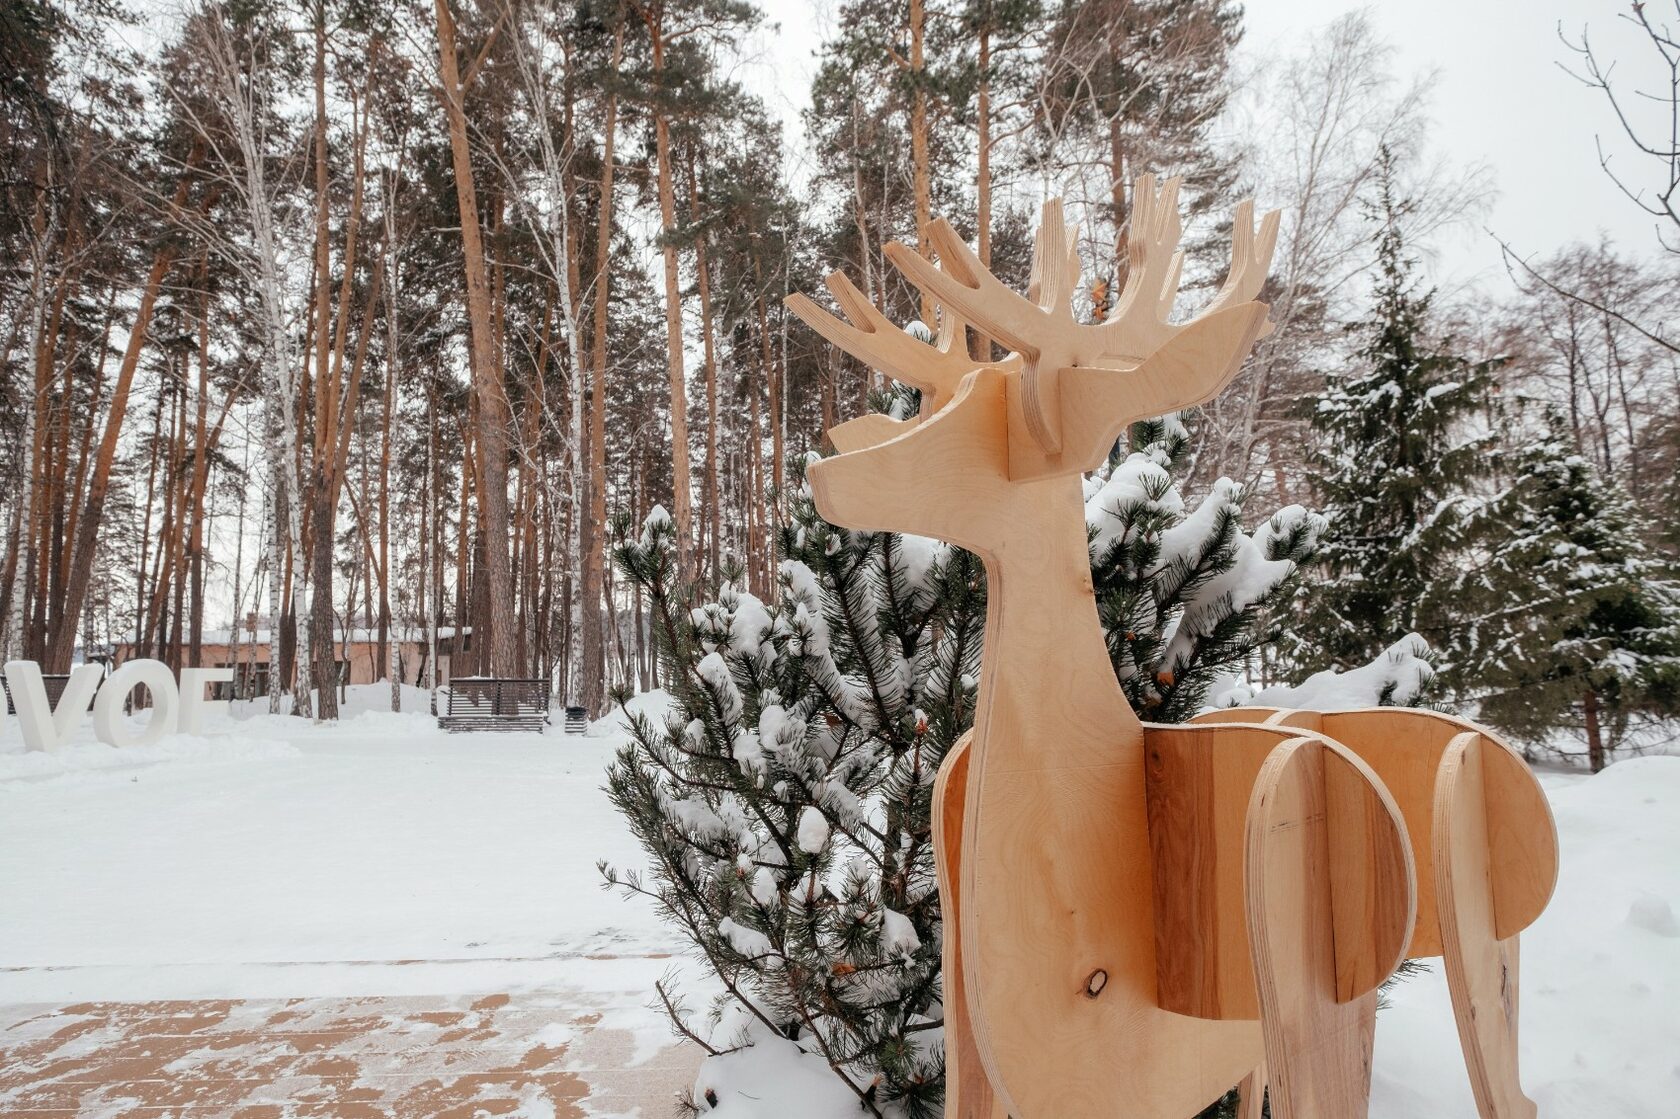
x: 813, y: 830
x: 897, y: 933
x: 1395, y: 677
x: 765, y: 1076
x: 655, y: 706
x: 271, y: 857
x: 748, y: 942
x: 274, y: 857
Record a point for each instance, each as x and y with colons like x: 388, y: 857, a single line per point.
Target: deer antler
x: 1140, y: 324
x: 1041, y: 327
x: 1154, y: 262
x: 963, y: 284
x: 873, y: 339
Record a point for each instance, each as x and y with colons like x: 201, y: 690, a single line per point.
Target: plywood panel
x: 968, y: 1094
x: 1318, y: 1047
x: 1200, y: 779
x: 1251, y: 1094
x: 1373, y: 895
x: 1481, y: 968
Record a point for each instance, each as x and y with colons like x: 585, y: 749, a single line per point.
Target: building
x: 356, y: 650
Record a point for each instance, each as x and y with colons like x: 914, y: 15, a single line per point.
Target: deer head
x: 1051, y: 409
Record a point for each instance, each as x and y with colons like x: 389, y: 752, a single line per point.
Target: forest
x: 322, y: 316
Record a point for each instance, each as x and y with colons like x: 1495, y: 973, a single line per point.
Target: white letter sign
x: 108, y: 722
x: 44, y: 726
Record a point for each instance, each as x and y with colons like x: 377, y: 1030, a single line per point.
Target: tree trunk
x: 393, y: 349
x: 16, y: 636
x: 711, y: 510
x: 1595, y: 736
x: 983, y: 144
x: 62, y: 644
x: 591, y: 521
x: 201, y: 476
x: 489, y: 389
x: 683, y: 512
x: 1117, y: 176
x: 922, y: 180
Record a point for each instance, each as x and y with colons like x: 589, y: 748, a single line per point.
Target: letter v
x: 45, y: 727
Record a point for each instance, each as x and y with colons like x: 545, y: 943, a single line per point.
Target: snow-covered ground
x: 272, y: 858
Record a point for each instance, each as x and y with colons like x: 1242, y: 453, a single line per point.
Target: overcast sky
x: 1500, y: 99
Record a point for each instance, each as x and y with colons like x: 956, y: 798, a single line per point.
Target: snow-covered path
x: 382, y: 859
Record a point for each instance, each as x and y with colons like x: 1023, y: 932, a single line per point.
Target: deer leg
x: 1330, y: 900
x: 1481, y: 968
x: 1251, y: 1094
x: 968, y: 1093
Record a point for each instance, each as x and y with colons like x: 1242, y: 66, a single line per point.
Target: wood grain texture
x: 1055, y: 875
x: 935, y: 368
x: 1300, y: 718
x: 1200, y: 779
x: 1251, y: 1094
x: 1404, y: 746
x: 1521, y: 837
x: 1235, y: 715
x: 1373, y: 892
x: 968, y: 1094
x: 1510, y: 849
x: 866, y: 431
x: 1198, y: 782
x: 1186, y: 371
x: 1318, y: 1047
x: 1481, y: 967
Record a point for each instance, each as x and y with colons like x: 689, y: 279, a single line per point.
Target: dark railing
x: 53, y: 685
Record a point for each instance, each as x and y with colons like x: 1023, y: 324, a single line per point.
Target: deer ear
x: 1190, y: 369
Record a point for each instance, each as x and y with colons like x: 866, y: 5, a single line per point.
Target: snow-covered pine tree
x: 1567, y: 612
x: 1397, y: 447
x: 785, y: 803
x: 1185, y: 597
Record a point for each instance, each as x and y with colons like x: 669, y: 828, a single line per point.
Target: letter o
x: 108, y: 721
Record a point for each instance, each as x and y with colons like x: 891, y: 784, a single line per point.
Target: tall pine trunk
x: 921, y: 175
x: 1595, y: 734
x: 711, y: 505
x: 497, y: 655
x: 680, y: 495
x: 592, y: 521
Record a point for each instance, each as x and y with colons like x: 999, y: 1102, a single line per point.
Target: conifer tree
x: 785, y: 802
x: 1568, y: 613
x: 1397, y: 448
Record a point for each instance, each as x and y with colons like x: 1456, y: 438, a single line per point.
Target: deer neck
x: 1048, y: 695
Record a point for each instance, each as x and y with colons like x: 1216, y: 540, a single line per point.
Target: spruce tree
x: 1397, y: 448
x: 785, y: 803
x: 1567, y: 611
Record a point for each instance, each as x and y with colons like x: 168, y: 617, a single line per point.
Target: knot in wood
x: 1095, y: 983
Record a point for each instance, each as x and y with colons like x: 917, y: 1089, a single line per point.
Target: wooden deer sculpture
x: 1123, y: 902
x: 1485, y: 849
